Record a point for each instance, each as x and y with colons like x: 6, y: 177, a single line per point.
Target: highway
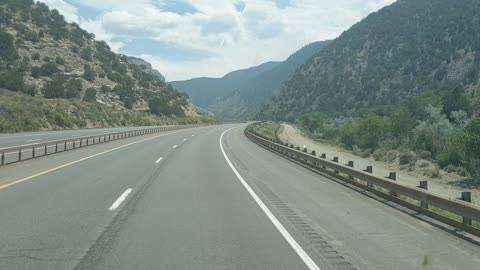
x: 17, y: 139
x: 206, y: 198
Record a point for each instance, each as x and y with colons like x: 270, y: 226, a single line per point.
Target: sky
x: 185, y: 39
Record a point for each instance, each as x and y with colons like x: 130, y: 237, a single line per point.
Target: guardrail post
x: 324, y: 156
x: 33, y: 152
x: 19, y: 154
x: 423, y: 185
x: 350, y: 164
x: 65, y: 146
x: 369, y: 169
x: 46, y: 150
x: 335, y: 159
x: 3, y: 158
x: 392, y: 176
x: 56, y: 148
x: 298, y: 148
x: 314, y: 153
x: 467, y: 197
x: 291, y: 146
x: 305, y: 150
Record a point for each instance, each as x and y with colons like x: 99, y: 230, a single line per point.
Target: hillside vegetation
x: 402, y: 82
x: 42, y: 55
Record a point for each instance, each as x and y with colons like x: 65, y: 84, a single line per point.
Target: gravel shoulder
x: 442, y: 185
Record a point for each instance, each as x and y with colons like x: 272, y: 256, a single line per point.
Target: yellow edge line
x: 16, y: 182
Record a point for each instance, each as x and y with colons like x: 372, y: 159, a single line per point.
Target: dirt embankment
x: 446, y: 184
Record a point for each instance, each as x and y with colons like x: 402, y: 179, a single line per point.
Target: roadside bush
x: 406, y: 157
x: 371, y: 130
x: 347, y: 135
x: 360, y: 153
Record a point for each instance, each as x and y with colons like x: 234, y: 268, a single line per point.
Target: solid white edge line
x: 293, y: 243
x: 120, y: 199
x: 158, y: 160
x: 175, y: 146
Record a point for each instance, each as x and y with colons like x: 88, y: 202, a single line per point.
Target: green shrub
x: 36, y: 56
x: 406, y: 158
x: 89, y: 73
x: 49, y: 69
x: 60, y: 61
x: 73, y: 88
x: 86, y: 54
x: 90, y: 95
x: 8, y: 52
x: 55, y: 87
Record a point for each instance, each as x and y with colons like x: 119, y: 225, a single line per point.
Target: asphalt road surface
x: 205, y: 198
x: 12, y: 140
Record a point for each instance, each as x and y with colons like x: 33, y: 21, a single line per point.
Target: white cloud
x: 232, y: 37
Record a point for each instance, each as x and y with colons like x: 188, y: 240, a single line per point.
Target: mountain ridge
x: 395, y: 53
x: 239, y: 97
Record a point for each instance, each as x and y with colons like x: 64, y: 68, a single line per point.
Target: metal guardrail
x: 26, y: 152
x: 423, y: 200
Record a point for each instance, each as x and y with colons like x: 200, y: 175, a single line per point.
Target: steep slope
x: 206, y: 91
x: 246, y: 100
x: 42, y: 55
x: 395, y: 53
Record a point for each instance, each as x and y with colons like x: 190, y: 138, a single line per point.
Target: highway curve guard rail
x: 25, y: 152
x: 457, y: 213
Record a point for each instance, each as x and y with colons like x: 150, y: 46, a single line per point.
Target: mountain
x: 247, y: 99
x: 206, y: 91
x: 239, y: 94
x: 43, y: 56
x: 398, y: 52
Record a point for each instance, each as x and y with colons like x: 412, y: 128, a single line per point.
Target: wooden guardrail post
x: 393, y: 176
x: 324, y: 156
x: 466, y: 196
x: 314, y: 153
x: 351, y: 165
x: 369, y: 169
x: 335, y: 159
x: 423, y: 185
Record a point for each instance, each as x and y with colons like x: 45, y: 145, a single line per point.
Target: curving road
x: 205, y: 198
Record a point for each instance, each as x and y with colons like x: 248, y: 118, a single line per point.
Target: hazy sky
x: 195, y: 38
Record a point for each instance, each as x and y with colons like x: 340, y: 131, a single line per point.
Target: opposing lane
x: 49, y: 222
x: 16, y: 139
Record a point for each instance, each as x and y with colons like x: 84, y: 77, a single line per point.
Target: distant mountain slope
x: 44, y: 56
x: 206, y: 91
x: 395, y: 53
x: 246, y: 100
x: 239, y: 94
